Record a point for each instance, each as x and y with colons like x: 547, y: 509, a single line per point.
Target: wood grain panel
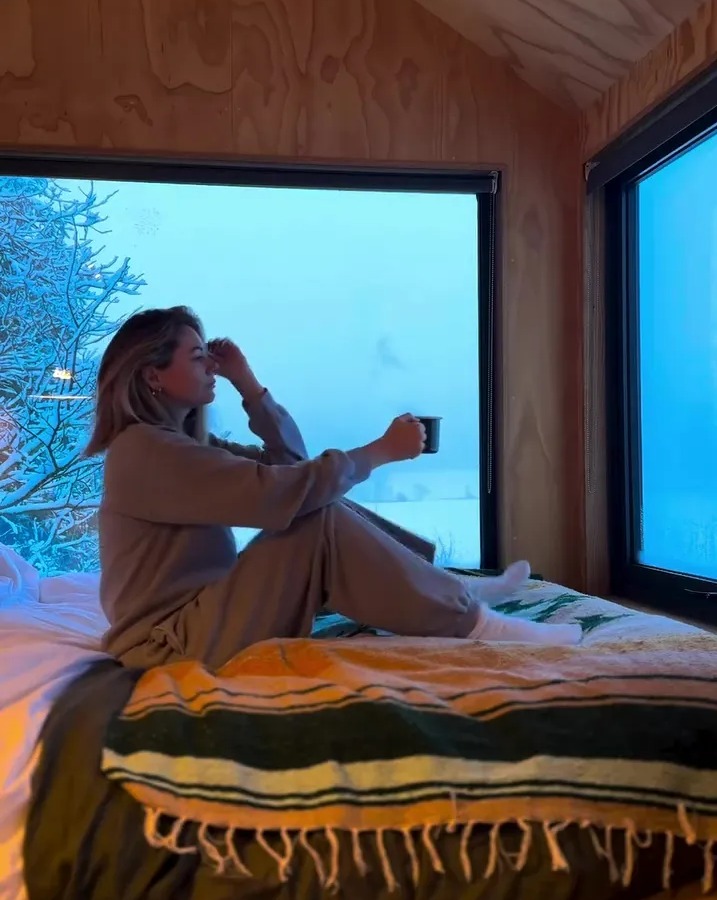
x: 571, y: 50
x: 541, y: 408
x: 683, y: 54
x: 597, y: 574
x: 360, y: 80
x: 687, y: 50
x: 15, y: 20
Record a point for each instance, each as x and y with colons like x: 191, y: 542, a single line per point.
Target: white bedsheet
x: 50, y: 631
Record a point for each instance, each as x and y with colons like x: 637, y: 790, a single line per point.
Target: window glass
x: 677, y: 365
x: 351, y: 306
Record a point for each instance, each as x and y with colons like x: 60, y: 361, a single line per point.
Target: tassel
x: 432, y: 852
x: 629, y: 854
x: 288, y: 854
x: 211, y: 849
x: 391, y: 883
x: 281, y: 861
x: 614, y: 873
x: 357, y: 852
x: 686, y: 825
x: 453, y: 824
x: 667, y: 867
x: 151, y: 828
x: 174, y: 836
x: 512, y: 859
x: 465, y: 857
x: 709, y: 876
x: 411, y: 850
x: 557, y: 857
x: 332, y: 882
x: 493, y: 855
x: 233, y: 853
x: 524, y: 845
x: 606, y: 851
x: 320, y: 873
x: 645, y: 842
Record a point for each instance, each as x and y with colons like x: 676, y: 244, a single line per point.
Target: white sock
x: 500, y: 586
x: 494, y: 626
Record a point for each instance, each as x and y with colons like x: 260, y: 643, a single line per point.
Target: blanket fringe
x: 391, y: 883
x: 604, y: 851
x: 433, y: 853
x: 465, y: 857
x: 557, y: 857
x: 332, y: 882
x: 709, y: 876
x: 357, y: 852
x: 313, y: 853
x: 220, y: 848
x: 283, y: 861
x: 627, y: 872
x: 412, y: 855
x: 233, y: 854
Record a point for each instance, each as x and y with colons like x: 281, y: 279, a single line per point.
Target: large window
x: 661, y: 300
x: 356, y: 297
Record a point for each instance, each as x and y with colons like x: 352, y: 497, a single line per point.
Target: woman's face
x: 188, y: 381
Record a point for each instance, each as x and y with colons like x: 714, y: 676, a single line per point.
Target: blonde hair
x: 124, y: 396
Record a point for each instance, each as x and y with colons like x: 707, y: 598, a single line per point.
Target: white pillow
x: 19, y: 581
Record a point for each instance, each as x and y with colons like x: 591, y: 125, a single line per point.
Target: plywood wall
x: 359, y: 80
x: 688, y: 50
x: 682, y: 55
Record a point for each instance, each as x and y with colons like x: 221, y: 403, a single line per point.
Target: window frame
x: 484, y: 184
x: 655, y: 144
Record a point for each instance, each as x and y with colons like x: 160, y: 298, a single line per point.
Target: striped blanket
x: 379, y: 734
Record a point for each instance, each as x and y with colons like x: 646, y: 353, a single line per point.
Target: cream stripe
x: 607, y: 774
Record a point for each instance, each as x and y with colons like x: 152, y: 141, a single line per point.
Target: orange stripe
x: 435, y: 812
x: 470, y: 703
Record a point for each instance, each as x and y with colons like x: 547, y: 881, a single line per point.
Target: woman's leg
x: 333, y: 556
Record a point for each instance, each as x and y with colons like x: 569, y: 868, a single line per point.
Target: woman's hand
x: 232, y: 365
x: 228, y: 358
x: 404, y: 438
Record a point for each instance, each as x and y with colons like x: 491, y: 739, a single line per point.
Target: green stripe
x: 385, y: 730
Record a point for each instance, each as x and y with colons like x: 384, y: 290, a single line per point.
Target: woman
x: 172, y: 584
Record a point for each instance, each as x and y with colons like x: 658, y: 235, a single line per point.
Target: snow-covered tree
x: 56, y: 294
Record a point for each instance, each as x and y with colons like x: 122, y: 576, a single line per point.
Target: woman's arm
x: 164, y: 476
x: 161, y: 475
x: 283, y: 444
x: 280, y: 435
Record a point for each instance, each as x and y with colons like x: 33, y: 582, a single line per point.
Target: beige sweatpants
x: 280, y: 580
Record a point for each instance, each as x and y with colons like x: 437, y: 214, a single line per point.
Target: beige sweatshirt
x: 169, y: 503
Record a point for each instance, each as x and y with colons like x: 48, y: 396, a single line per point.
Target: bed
x: 99, y: 802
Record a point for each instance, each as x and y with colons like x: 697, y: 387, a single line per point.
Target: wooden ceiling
x: 572, y: 50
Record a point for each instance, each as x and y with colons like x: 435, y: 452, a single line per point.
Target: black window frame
x: 679, y: 124
x: 484, y: 184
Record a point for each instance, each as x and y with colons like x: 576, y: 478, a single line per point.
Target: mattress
x: 50, y: 631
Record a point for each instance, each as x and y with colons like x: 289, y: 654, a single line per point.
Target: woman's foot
x: 494, y: 626
x: 490, y: 590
